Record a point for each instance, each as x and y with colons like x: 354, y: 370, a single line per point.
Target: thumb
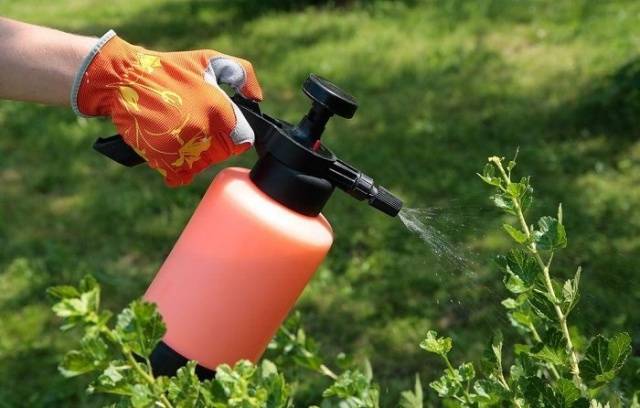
x: 235, y: 72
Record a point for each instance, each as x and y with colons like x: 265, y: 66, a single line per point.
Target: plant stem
x: 453, y: 370
x: 146, y: 375
x: 505, y: 385
x: 328, y: 372
x: 562, y: 318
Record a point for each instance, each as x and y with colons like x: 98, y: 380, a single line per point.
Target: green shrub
x: 548, y: 369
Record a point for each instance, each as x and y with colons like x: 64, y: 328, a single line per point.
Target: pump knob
x: 330, y: 96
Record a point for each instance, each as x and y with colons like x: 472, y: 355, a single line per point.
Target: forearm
x: 39, y: 64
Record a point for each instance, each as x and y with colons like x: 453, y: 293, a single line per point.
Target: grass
x: 441, y: 86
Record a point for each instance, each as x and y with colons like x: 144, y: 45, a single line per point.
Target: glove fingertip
x: 251, y: 90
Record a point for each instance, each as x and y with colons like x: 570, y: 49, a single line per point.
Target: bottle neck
x: 298, y: 191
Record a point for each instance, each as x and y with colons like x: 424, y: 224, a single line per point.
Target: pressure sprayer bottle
x: 255, y: 239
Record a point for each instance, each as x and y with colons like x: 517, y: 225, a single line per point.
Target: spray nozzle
x: 362, y: 187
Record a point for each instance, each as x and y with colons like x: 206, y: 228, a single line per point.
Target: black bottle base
x: 165, y: 361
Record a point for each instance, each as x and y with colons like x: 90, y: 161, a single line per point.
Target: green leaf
x: 448, y: 385
x: 96, y: 348
x: 354, y: 389
x: 437, y: 345
x: 567, y: 390
x: 248, y: 386
x: 571, y: 293
x: 409, y: 399
x: 467, y: 372
x: 538, y: 394
x: 75, y: 363
x: 277, y: 389
x: 520, y: 269
x: 488, y: 175
x: 510, y: 303
x: 184, y: 388
x: 494, y: 354
x: 142, y: 396
x: 517, y: 190
x: 517, y: 235
x: 63, y: 292
x: 488, y: 393
x: 291, y: 345
x: 541, y: 301
x: 140, y: 327
x: 77, y: 306
x: 503, y: 202
x: 522, y: 318
x: 550, y: 234
x: 604, y: 358
x: 115, y: 379
x: 552, y: 349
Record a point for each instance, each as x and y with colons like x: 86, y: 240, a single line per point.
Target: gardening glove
x: 168, y: 106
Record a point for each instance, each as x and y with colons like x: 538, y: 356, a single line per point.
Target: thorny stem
x: 562, y: 318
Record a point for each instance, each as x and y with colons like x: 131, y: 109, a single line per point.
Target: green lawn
x: 441, y: 85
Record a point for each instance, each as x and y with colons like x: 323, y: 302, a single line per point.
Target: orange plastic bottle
x: 255, y: 239
x: 236, y: 270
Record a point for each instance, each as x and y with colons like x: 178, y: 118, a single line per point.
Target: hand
x: 168, y: 106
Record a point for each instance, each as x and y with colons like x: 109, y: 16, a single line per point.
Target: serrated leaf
x: 541, y: 302
x: 552, y: 349
x: 494, y: 355
x: 522, y: 317
x: 354, y: 389
x: 517, y: 235
x: 538, y: 394
x: 448, y: 385
x: 80, y: 306
x: 437, y: 345
x: 63, y: 292
x: 604, y: 358
x: 467, y: 371
x: 140, y: 327
x: 567, y: 390
x: 114, y: 379
x: 571, y: 293
x: 550, y: 234
x: 413, y: 399
x: 503, y: 202
x: 75, y: 363
x: 184, y: 388
x: 520, y: 271
x: 510, y: 303
x: 488, y: 175
x: 517, y: 190
x: 141, y: 396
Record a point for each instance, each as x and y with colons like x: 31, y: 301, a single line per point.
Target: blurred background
x: 441, y: 86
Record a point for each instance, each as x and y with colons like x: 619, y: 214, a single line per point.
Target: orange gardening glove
x: 168, y: 106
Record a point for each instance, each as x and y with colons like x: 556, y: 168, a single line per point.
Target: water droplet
x: 424, y: 222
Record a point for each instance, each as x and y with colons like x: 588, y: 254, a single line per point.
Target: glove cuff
x: 99, y: 75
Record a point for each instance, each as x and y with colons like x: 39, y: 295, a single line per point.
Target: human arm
x: 168, y: 106
x: 38, y: 64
